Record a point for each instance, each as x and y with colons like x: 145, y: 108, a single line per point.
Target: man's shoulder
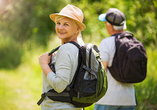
x: 108, y: 39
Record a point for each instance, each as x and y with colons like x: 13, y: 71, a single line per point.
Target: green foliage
x: 10, y: 53
x: 25, y: 20
x: 146, y: 91
x: 141, y: 19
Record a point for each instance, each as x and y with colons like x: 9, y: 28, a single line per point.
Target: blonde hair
x: 57, y: 18
x: 79, y: 38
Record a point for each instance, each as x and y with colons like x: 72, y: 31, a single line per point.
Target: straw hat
x: 71, y: 12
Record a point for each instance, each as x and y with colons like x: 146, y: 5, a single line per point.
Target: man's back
x: 118, y: 93
x: 119, y: 96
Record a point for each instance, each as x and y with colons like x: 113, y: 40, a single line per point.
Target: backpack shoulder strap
x: 53, y: 50
x: 82, y: 51
x: 81, y: 58
x: 76, y: 44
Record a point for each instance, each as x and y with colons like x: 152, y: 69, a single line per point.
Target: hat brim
x: 80, y: 25
x: 102, y: 17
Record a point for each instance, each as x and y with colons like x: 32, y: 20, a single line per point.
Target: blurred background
x: 26, y: 32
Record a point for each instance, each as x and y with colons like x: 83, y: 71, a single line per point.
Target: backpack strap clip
x: 42, y: 98
x: 87, y: 69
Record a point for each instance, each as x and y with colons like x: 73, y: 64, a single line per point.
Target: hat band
x: 76, y: 17
x: 116, y: 24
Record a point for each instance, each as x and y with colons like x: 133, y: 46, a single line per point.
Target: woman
x: 68, y: 28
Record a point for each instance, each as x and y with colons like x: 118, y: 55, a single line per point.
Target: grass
x: 20, y: 88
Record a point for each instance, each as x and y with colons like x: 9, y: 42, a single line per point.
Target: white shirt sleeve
x: 107, y: 49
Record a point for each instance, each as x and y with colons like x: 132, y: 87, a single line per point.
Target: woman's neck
x: 66, y: 41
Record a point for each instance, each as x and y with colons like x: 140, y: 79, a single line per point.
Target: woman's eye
x: 58, y: 23
x: 67, y: 24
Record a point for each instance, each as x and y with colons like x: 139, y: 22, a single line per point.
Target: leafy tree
x: 25, y: 23
x: 141, y: 16
x: 25, y: 20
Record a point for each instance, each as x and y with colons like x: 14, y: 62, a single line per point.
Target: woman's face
x: 66, y: 29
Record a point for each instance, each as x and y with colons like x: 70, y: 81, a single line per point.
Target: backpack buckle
x: 87, y: 68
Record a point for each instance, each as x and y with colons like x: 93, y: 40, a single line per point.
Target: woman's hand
x: 44, y: 60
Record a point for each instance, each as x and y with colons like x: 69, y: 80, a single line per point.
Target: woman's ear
x: 77, y: 31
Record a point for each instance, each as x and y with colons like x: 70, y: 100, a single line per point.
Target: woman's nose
x: 60, y: 27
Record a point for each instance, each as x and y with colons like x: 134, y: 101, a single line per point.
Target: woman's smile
x: 62, y: 33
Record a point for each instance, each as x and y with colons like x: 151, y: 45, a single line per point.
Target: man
x: 119, y: 96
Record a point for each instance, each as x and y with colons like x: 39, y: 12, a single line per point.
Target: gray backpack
x: 88, y: 84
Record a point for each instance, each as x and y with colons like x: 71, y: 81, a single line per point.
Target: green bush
x: 10, y: 53
x: 146, y: 90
